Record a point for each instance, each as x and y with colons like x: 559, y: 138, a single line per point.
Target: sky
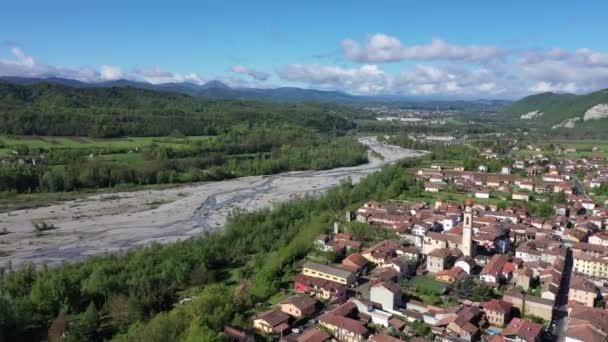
x: 452, y: 49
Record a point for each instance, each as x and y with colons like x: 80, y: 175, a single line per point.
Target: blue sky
x: 439, y: 48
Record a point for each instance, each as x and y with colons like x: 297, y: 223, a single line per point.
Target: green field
x: 426, y: 283
x: 10, y: 143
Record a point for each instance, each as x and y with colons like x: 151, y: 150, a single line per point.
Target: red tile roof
x: 498, y: 306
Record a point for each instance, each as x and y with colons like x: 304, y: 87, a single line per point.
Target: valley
x: 119, y: 221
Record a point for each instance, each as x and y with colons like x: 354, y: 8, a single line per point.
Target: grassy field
x: 426, y: 283
x: 9, y: 143
x: 583, y: 148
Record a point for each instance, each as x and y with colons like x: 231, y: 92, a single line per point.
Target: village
x: 474, y: 265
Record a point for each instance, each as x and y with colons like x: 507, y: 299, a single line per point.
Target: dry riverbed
x: 118, y: 221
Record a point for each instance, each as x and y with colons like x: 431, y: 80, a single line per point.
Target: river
x: 119, y: 221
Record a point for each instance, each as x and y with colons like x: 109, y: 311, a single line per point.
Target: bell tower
x: 467, y: 229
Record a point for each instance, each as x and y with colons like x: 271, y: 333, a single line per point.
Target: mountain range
x: 213, y: 90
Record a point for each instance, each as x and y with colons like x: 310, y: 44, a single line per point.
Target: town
x: 472, y: 265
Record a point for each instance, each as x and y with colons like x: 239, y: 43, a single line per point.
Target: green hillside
x: 54, y: 109
x: 556, y: 109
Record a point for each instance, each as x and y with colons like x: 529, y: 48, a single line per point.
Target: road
x: 580, y: 188
x: 559, y: 323
x: 120, y: 221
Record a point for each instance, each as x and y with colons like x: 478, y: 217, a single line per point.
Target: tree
x: 86, y: 326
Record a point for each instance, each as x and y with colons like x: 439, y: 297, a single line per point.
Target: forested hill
x: 55, y: 109
x: 210, y: 90
x: 581, y: 114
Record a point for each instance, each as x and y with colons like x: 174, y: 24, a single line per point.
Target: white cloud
x: 380, y: 48
x: 368, y: 79
x: 542, y: 87
x: 110, y: 73
x: 157, y: 76
x: 24, y: 65
x: 258, y: 75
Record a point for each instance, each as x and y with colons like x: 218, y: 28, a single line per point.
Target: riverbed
x: 118, y: 221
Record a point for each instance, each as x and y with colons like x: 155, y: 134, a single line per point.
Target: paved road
x: 580, y: 188
x: 559, y: 323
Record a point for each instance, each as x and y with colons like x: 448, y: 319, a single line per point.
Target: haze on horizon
x: 472, y: 49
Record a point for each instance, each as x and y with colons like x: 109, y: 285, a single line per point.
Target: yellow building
x: 589, y: 265
x: 329, y: 272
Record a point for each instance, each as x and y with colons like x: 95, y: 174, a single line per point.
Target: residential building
x: 582, y: 291
x: 520, y: 196
x: 530, y: 305
x: 273, y: 321
x: 299, y: 306
x: 498, y: 312
x: 586, y: 324
x: 521, y: 330
x: 387, y: 294
x: 492, y: 271
x: 308, y: 335
x: 441, y: 259
x: 329, y: 272
x: 522, y: 277
x: 343, y: 329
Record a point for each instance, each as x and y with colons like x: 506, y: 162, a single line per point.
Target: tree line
x: 250, y: 151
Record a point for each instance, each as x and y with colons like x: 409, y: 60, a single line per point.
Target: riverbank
x: 113, y: 222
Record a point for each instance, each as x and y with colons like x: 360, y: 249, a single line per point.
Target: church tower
x: 467, y: 229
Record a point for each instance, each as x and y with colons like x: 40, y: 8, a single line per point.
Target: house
x: 521, y: 330
x: 370, y: 312
x: 354, y: 262
x: 519, y: 164
x: 432, y: 187
x: 329, y: 272
x: 582, y: 291
x: 342, y: 328
x: 274, y: 321
x: 450, y: 275
x: 505, y: 170
x: 384, y: 338
x: 320, y: 288
x: 441, y: 259
x: 299, y: 306
x: 466, y: 263
x: 464, y: 325
x: 492, y: 271
x: 530, y: 305
x: 523, y: 278
x: 588, y: 204
x: 498, y: 312
x: 482, y: 194
x: 526, y: 185
x: 239, y: 335
x: 308, y: 335
x: 387, y: 294
x: 520, y: 196
x: 588, y: 264
x: 586, y: 324
x: 600, y: 239
x: 482, y: 168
